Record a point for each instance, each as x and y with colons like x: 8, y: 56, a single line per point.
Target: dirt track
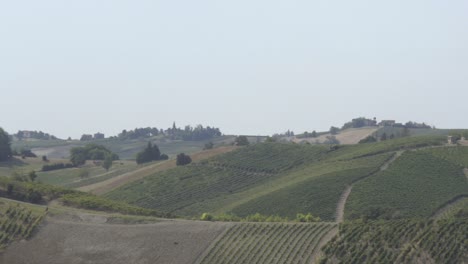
x: 59, y: 242
x: 113, y: 183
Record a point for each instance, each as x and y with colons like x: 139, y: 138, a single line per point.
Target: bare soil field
x: 89, y: 239
x: 348, y: 136
x: 113, y: 183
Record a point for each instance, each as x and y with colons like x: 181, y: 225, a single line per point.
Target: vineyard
x: 268, y: 243
x: 271, y: 157
x: 399, y: 241
x: 182, y: 187
x: 17, y: 222
x: 271, y: 179
x: 318, y: 195
x: 416, y: 185
x: 211, y: 185
x: 361, y: 150
x: 457, y: 155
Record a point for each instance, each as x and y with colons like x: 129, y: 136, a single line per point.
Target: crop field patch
x: 268, y: 243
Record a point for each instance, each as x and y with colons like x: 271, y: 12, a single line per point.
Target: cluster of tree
x: 360, y: 122
x: 140, y: 133
x: 79, y: 155
x: 334, y: 130
x: 150, y: 153
x: 208, y: 145
x: 183, y: 159
x: 288, y: 133
x: 198, y: 133
x: 5, y: 149
x: 89, y: 137
x: 241, y: 141
x: 411, y: 124
x: 34, y: 134
x: 189, y: 133
x: 306, y: 134
x: 56, y: 166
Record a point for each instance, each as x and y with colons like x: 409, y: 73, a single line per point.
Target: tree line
x: 188, y: 133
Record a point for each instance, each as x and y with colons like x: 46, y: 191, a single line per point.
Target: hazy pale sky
x: 248, y: 67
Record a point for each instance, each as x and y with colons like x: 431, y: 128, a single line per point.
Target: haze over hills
x: 314, y: 197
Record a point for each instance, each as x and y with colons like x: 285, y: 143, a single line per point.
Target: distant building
x: 387, y: 123
x: 99, y: 136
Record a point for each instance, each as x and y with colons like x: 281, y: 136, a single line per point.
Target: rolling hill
x: 282, y: 179
x: 396, y: 201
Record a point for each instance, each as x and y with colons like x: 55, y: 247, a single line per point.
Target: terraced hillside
x: 268, y: 243
x: 269, y: 178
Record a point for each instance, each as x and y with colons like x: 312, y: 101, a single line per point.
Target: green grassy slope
x: 417, y: 184
x: 399, y: 241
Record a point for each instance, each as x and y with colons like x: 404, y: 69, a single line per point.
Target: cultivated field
x: 416, y: 185
x: 94, y: 241
x: 267, y: 178
x: 268, y: 243
x: 399, y: 241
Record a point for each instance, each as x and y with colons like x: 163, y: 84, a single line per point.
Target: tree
x: 79, y: 155
x: 334, y: 130
x: 5, y: 149
x: 209, y: 145
x: 150, y: 153
x: 107, y: 164
x: 183, y: 159
x: 241, y: 141
x: 314, y: 134
x: 32, y: 175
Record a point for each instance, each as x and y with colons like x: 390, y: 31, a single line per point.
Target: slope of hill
x: 399, y: 241
x: 126, y: 149
x: 347, y: 136
x: 79, y: 237
x: 268, y: 243
x: 416, y: 185
x: 271, y: 178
